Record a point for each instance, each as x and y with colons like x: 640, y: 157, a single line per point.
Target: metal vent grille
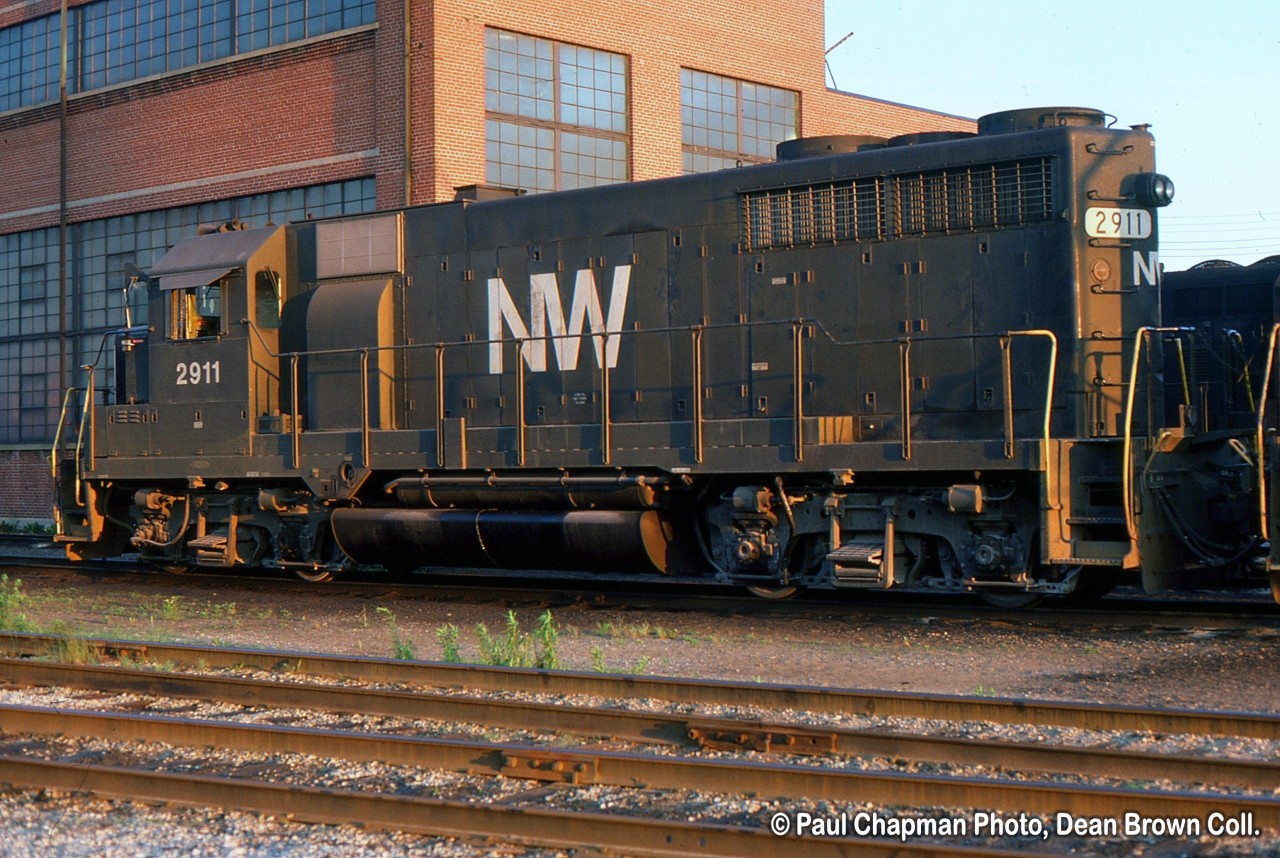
x: 878, y: 208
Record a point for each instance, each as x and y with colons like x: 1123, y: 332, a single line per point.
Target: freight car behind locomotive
x: 934, y: 362
x: 1232, y: 311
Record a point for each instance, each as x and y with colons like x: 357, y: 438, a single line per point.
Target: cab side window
x: 268, y: 293
x: 196, y: 312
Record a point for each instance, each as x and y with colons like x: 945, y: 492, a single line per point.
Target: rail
x: 681, y: 729
x: 820, y: 699
x: 1149, y: 788
x: 801, y: 329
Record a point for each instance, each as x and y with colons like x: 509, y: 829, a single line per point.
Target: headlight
x: 1153, y: 189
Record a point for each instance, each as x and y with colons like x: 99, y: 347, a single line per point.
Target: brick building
x: 181, y: 112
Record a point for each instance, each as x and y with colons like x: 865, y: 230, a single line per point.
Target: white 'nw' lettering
x: 1146, y: 269
x: 547, y: 319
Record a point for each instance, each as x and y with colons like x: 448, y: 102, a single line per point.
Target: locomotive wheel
x: 773, y: 594
x: 327, y: 552
x: 175, y: 568
x: 1010, y: 601
x: 1274, y: 578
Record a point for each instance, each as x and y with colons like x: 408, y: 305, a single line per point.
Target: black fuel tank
x: 613, y: 540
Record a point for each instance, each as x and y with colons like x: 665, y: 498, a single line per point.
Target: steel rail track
x: 629, y: 769
x: 631, y: 835
x: 947, y: 707
x: 693, y: 593
x: 648, y: 727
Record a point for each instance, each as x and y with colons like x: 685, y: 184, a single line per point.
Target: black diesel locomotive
x: 930, y: 362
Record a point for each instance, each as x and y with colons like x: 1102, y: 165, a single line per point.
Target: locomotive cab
x: 191, y: 392
x: 214, y: 371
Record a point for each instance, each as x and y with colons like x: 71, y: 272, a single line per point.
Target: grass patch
x: 13, y: 606
x: 620, y: 631
x: 76, y: 651
x: 401, y: 644
x: 601, y: 665
x: 447, y: 636
x: 512, y: 647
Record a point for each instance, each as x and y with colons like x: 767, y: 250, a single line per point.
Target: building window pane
x: 727, y: 122
x: 97, y: 253
x: 113, y: 42
x: 557, y: 114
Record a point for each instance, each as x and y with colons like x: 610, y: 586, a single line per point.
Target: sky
x: 1205, y: 76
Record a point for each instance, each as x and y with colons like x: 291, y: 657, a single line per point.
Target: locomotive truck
x: 935, y: 361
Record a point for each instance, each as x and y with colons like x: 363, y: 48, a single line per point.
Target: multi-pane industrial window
x: 29, y: 62
x: 116, y: 41
x: 556, y: 114
x: 97, y: 253
x: 726, y: 121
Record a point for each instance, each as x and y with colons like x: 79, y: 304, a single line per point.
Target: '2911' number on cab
x: 209, y: 372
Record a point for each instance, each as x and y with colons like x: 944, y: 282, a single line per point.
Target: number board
x: 1117, y: 223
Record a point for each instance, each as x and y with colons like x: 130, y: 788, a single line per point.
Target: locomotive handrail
x: 439, y: 347
x: 1126, y: 468
x: 295, y: 424
x: 665, y: 329
x: 904, y: 392
x: 1235, y: 337
x: 86, y: 417
x: 606, y: 425
x: 799, y: 326
x: 697, y: 393
x: 1263, y: 511
x: 57, y: 436
x: 521, y: 423
x: 365, y: 439
x: 797, y: 382
x: 57, y: 446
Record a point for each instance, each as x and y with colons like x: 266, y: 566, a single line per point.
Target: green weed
x: 170, y: 608
x: 515, y: 648
x: 13, y: 605
x: 217, y: 611
x: 77, y: 651
x: 600, y: 664
x: 608, y: 629
x: 401, y: 644
x: 447, y: 637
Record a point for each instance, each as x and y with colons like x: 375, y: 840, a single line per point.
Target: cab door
x: 200, y: 368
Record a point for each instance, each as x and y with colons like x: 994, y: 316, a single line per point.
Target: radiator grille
x: 878, y: 208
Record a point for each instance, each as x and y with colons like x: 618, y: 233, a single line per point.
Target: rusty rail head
x: 533, y: 825
x: 643, y: 726
x: 1089, y: 716
x: 623, y: 769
